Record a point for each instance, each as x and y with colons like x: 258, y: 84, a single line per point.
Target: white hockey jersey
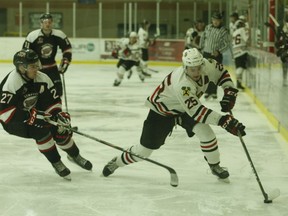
x: 129, y: 51
x: 239, y: 42
x: 178, y: 93
x: 143, y: 38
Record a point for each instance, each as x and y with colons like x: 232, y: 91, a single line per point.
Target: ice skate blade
x: 68, y: 178
x: 226, y: 180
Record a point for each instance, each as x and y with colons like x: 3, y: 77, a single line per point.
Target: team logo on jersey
x: 46, y: 50
x: 186, y: 91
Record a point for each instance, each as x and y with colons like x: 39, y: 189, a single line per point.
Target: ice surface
x: 30, y: 187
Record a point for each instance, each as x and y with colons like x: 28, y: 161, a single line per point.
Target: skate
x: 146, y: 74
x: 221, y: 173
x: 110, y: 167
x: 129, y: 74
x: 80, y: 161
x: 62, y: 170
x: 116, y: 83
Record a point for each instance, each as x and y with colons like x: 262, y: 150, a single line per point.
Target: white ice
x: 30, y: 187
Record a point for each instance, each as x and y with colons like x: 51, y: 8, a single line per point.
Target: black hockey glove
x: 64, y: 122
x: 228, y: 101
x: 63, y: 65
x: 232, y: 125
x: 114, y: 53
x: 38, y: 118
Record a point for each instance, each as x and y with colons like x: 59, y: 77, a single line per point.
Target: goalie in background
x: 129, y: 54
x: 177, y: 101
x: 45, y: 42
x: 28, y: 99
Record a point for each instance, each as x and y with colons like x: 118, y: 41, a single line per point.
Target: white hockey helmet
x: 192, y: 58
x: 133, y: 34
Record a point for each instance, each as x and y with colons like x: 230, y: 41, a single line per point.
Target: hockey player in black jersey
x: 28, y: 97
x: 45, y: 42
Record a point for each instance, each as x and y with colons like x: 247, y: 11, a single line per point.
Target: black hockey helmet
x: 46, y: 16
x: 25, y: 57
x: 217, y: 15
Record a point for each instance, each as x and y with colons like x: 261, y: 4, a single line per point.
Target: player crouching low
x: 25, y: 94
x: 176, y: 101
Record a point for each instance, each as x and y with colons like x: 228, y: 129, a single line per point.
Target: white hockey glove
x: 64, y: 122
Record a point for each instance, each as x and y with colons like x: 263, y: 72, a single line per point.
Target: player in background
x: 145, y: 42
x: 45, y: 42
x: 233, y: 18
x: 193, y: 35
x: 176, y: 101
x: 282, y: 49
x: 129, y: 54
x: 240, y: 50
x: 28, y: 98
x: 214, y: 42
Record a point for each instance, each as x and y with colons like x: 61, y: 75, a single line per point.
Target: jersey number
x: 191, y: 102
x: 6, y: 98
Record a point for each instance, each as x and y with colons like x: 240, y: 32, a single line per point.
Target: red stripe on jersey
x: 128, y: 158
x: 154, y: 93
x: 201, y: 114
x: 47, y: 150
x: 209, y: 146
x: 45, y: 141
x: 5, y: 117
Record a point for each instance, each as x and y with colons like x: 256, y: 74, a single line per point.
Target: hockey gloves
x: 64, y: 122
x: 63, y: 65
x: 232, y: 125
x: 228, y: 101
x: 38, y: 118
x: 127, y: 52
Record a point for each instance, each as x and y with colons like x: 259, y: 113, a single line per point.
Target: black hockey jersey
x: 18, y: 96
x: 46, y: 46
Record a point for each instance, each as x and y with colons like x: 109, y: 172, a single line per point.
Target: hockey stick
x: 173, y: 174
x: 273, y: 194
x: 155, y: 71
x: 65, y: 95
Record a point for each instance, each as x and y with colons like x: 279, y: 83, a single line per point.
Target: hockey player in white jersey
x: 240, y: 51
x: 176, y: 101
x: 129, y: 55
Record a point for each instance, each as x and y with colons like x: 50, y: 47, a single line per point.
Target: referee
x: 213, y: 43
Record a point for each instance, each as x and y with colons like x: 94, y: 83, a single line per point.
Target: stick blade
x: 174, y: 181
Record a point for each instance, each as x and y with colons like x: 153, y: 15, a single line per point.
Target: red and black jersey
x: 18, y: 96
x: 46, y: 45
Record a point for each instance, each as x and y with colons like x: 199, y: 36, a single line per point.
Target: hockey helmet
x: 239, y: 24
x: 46, y: 16
x: 192, y: 58
x: 25, y: 57
x: 133, y: 34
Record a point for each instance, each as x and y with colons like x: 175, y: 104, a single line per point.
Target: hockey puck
x: 267, y: 201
